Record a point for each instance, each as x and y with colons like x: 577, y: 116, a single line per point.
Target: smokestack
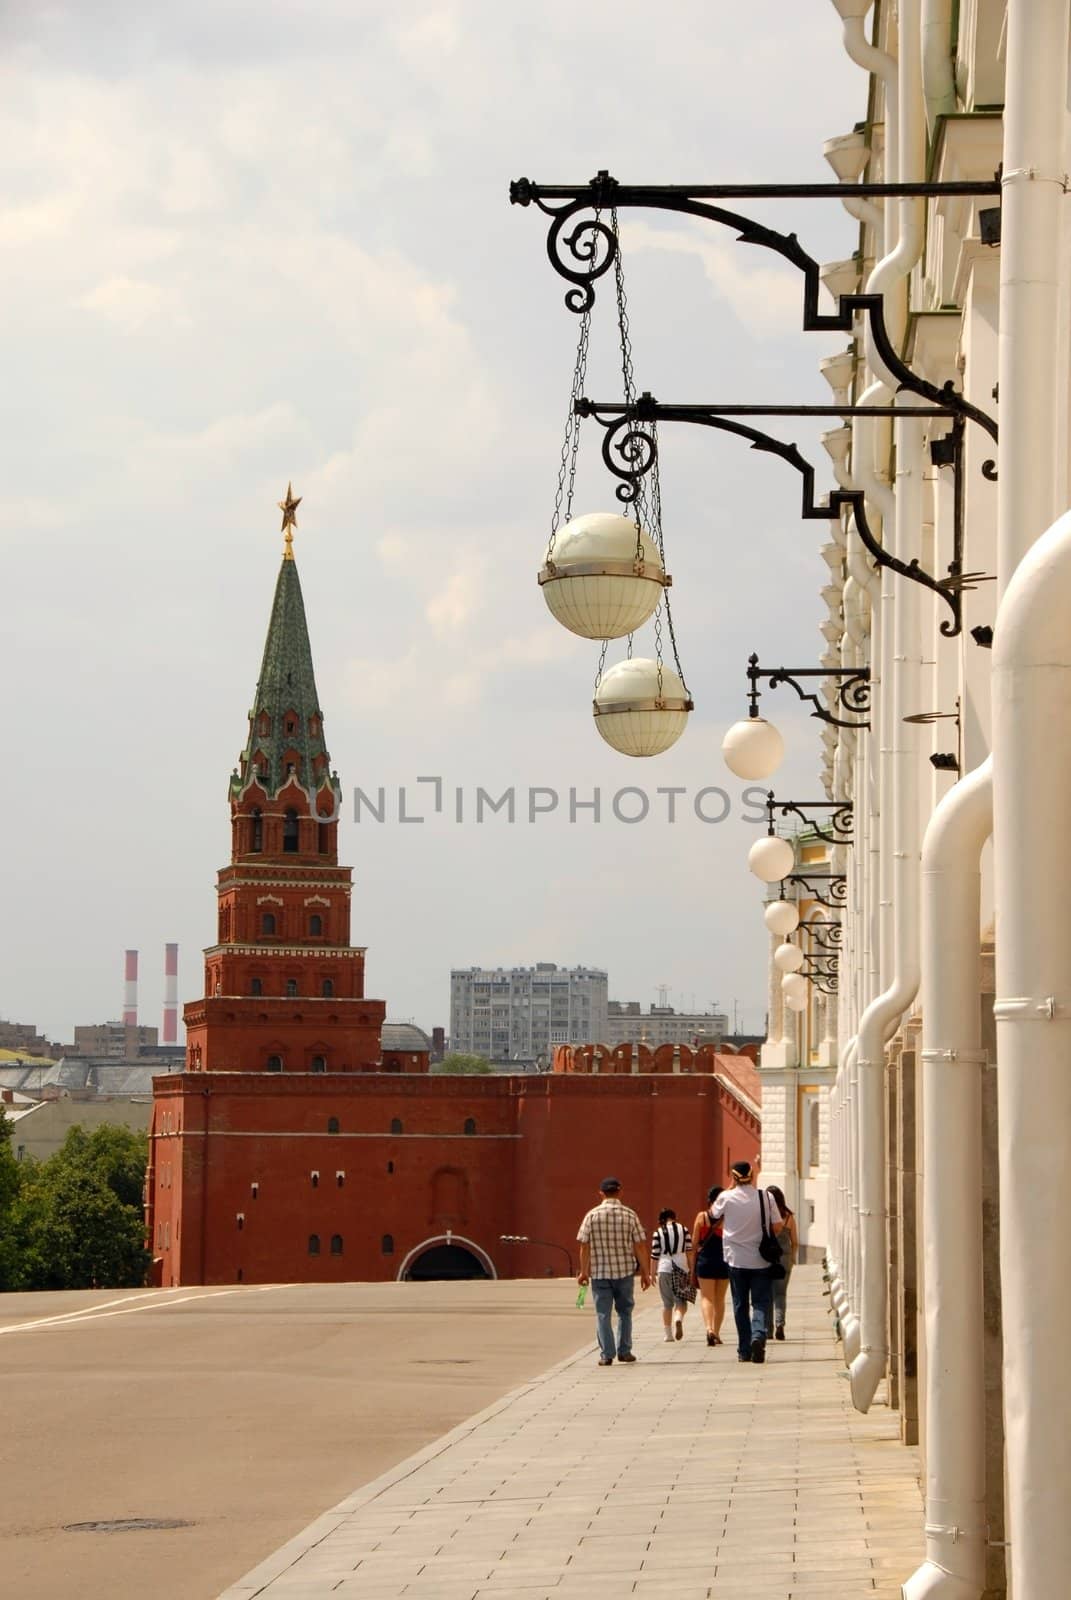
x: 170, y: 994
x: 130, y: 990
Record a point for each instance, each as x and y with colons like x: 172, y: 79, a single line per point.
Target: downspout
x: 938, y: 79
x: 1031, y: 791
x: 901, y: 739
x: 952, y: 1067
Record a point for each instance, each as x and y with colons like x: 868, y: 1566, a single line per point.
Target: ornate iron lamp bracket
x: 826, y: 935
x: 592, y: 247
x: 853, y: 689
x: 630, y: 451
x: 840, y: 823
x: 812, y: 883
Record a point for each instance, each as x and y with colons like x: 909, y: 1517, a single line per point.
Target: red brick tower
x: 284, y: 988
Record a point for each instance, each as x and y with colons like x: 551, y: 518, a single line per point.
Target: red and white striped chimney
x: 170, y: 994
x: 130, y: 990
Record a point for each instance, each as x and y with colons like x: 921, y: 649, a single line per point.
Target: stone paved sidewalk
x: 687, y: 1475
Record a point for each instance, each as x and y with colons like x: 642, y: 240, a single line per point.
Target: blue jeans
x: 754, y: 1285
x: 614, y: 1294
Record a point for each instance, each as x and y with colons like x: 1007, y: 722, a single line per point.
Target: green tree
x: 76, y: 1219
x: 10, y: 1184
x: 459, y: 1062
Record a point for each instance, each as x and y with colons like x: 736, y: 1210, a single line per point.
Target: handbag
x: 769, y: 1248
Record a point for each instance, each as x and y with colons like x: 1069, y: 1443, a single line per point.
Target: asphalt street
x: 238, y: 1413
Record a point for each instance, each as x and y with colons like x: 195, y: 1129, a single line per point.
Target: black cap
x: 610, y: 1185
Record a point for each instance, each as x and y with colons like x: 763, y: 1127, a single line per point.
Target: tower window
x: 328, y: 989
x: 470, y: 1125
x: 340, y: 1179
x: 396, y: 1125
x: 314, y: 1244
x: 267, y: 922
x: 315, y: 1179
x: 319, y: 1064
x: 336, y: 1244
x: 290, y: 832
x: 256, y: 986
x: 332, y: 1124
x: 390, y: 1166
x: 316, y: 926
x: 387, y: 1244
x: 258, y: 829
x: 275, y: 1063
x: 322, y: 837
x: 291, y: 988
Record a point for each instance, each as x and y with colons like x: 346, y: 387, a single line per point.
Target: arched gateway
x: 446, y: 1257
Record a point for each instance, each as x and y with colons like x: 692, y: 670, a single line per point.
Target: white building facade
x: 626, y: 1023
x: 521, y: 1013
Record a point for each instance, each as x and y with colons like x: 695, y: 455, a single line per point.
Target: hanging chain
x: 601, y: 665
x: 628, y: 375
x: 563, y: 498
x: 656, y: 528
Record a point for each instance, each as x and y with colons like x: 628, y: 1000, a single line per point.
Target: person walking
x: 788, y: 1238
x: 710, y: 1269
x: 746, y: 1213
x: 671, y: 1245
x: 612, y: 1241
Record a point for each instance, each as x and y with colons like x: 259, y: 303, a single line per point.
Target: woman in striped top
x: 670, y: 1244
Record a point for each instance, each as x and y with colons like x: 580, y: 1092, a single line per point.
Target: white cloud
x: 768, y: 299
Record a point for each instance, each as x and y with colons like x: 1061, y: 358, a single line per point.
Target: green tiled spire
x: 286, y: 721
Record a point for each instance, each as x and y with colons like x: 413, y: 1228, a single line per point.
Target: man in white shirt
x: 740, y: 1210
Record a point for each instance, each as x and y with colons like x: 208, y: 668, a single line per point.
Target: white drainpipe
x: 1032, y: 794
x: 938, y: 82
x: 951, y: 1122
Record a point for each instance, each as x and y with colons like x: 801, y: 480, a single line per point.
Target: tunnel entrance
x: 446, y: 1260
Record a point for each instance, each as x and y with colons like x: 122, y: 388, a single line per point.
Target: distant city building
x: 627, y: 1024
x: 521, y: 1013
x: 121, y: 1041
x: 24, y: 1039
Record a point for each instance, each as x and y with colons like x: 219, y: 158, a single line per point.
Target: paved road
x: 241, y: 1412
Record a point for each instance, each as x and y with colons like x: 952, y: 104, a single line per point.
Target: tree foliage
x: 458, y: 1062
x: 74, y: 1221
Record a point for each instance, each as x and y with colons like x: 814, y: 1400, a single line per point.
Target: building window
x: 314, y: 1244
x: 256, y: 987
x: 254, y: 1189
x: 319, y: 1064
x: 470, y: 1125
x: 315, y: 1179
x: 258, y: 829
x: 275, y: 1063
x: 267, y: 922
x: 241, y: 1221
x: 328, y: 989
x: 340, y: 1179
x: 316, y: 926
x: 290, y: 832
x: 322, y: 838
x: 396, y: 1125
x: 390, y: 1166
x: 332, y: 1124
x: 336, y: 1244
x: 387, y: 1244
x: 291, y: 988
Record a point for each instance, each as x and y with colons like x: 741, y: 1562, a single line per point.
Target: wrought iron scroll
x: 835, y: 883
x: 839, y: 827
x: 853, y: 689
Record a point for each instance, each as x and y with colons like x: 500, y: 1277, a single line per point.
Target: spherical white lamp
x: 753, y: 748
x: 782, y: 917
x: 788, y: 958
x: 771, y: 858
x: 641, y: 708
x: 793, y: 983
x: 598, y: 580
x: 797, y: 1002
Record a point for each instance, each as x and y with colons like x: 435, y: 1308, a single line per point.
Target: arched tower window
x: 267, y: 922
x: 332, y: 1125
x: 328, y: 989
x: 387, y: 1244
x: 316, y: 926
x: 314, y: 1244
x: 275, y: 1063
x: 336, y: 1244
x: 290, y: 831
x: 322, y: 837
x: 291, y: 988
x: 256, y: 986
x: 396, y: 1125
x: 470, y: 1125
x: 258, y: 830
x: 319, y: 1064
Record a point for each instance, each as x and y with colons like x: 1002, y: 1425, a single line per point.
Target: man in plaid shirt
x: 612, y: 1240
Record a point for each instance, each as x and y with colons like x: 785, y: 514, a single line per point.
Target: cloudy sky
x: 248, y: 241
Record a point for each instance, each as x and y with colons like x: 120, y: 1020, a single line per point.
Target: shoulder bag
x: 680, y: 1278
x: 769, y: 1248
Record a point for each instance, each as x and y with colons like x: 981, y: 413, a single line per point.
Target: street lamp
x: 641, y: 707
x: 547, y: 1244
x: 602, y: 577
x: 782, y: 917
